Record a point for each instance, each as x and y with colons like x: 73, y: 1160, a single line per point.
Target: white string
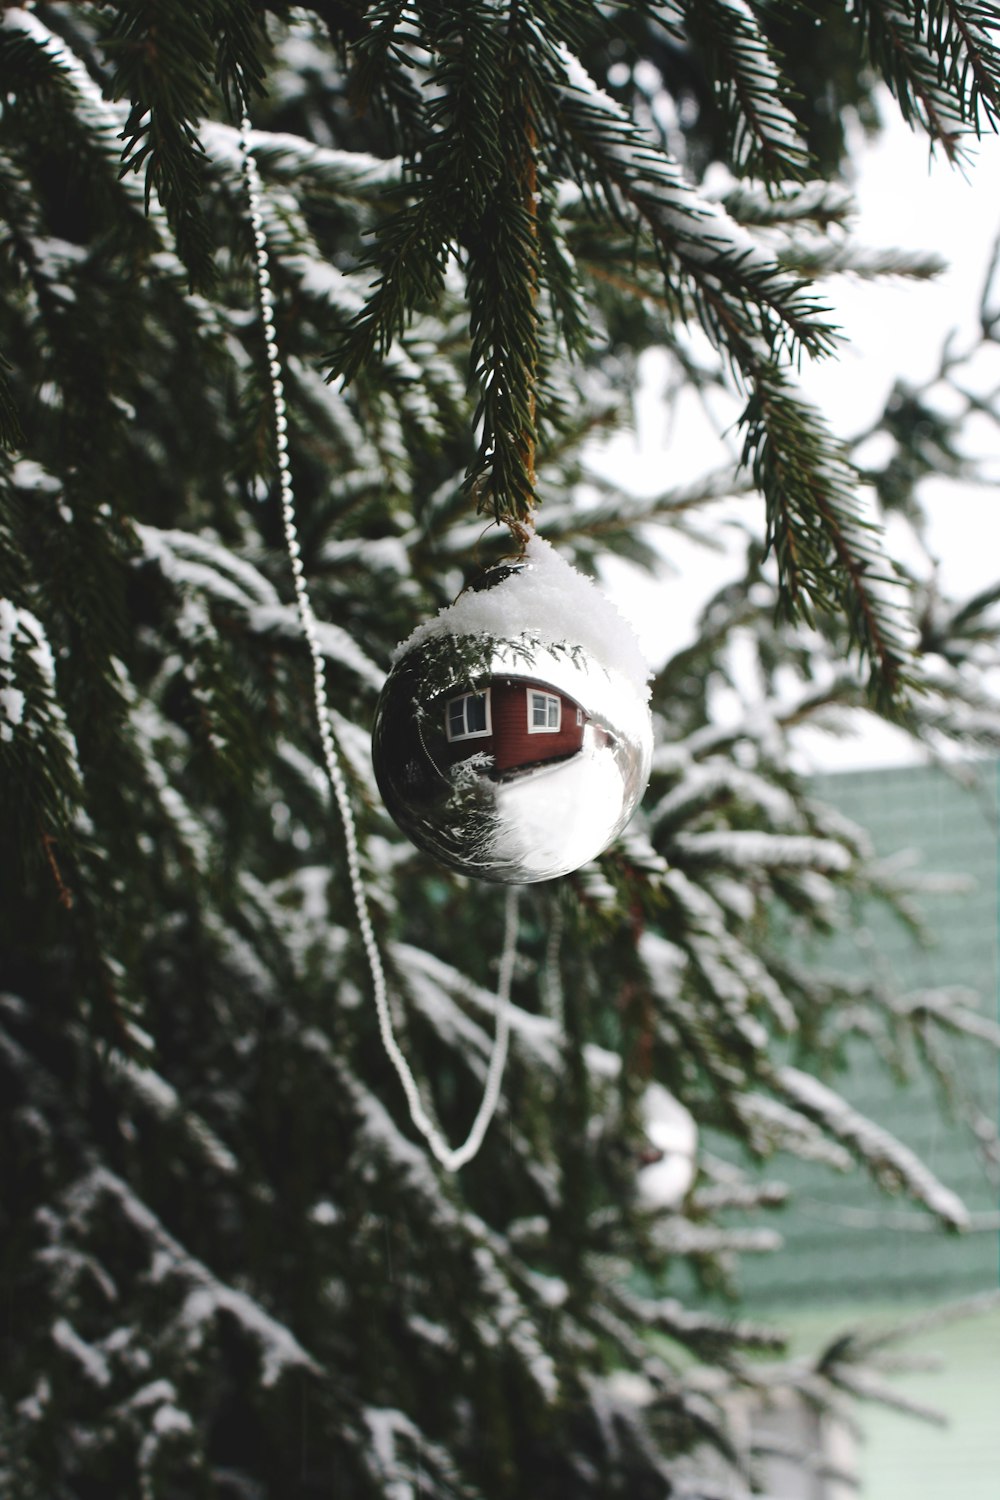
x: 451, y: 1158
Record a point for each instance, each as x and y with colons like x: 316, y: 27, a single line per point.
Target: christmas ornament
x: 669, y: 1163
x: 512, y: 739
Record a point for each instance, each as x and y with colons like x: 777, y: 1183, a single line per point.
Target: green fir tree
x: 231, y: 1268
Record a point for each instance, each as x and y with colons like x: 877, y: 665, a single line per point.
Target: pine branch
x: 412, y: 257
x: 384, y: 39
x: 828, y: 555
x: 39, y: 754
x: 61, y: 102
x: 616, y: 522
x: 287, y: 158
x: 814, y: 258
x: 820, y: 203
x: 939, y: 61
x: 762, y: 132
x: 11, y: 431
x: 475, y: 190
x: 169, y: 57
x: 503, y: 294
x: 712, y: 269
x: 453, y: 181
x: 706, y: 1336
x: 958, y: 34
x: 240, y: 38
x: 885, y: 1157
x: 164, y: 68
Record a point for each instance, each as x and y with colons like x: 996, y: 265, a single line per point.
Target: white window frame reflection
x: 456, y: 726
x: 551, y: 708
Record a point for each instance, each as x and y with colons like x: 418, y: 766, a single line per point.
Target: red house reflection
x: 517, y: 722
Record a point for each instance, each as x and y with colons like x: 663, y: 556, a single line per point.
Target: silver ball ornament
x: 505, y: 749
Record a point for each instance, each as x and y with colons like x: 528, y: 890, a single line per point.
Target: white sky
x: 894, y: 328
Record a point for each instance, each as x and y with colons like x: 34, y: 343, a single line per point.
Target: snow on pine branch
x: 449, y: 1021
x: 29, y: 701
x: 103, y: 121
x: 735, y: 973
x: 831, y: 823
x: 614, y: 519
x: 239, y: 957
x: 773, y: 1126
x: 622, y: 1404
x: 281, y: 622
x: 504, y: 1315
x: 205, y: 1295
x: 419, y: 381
x: 765, y: 140
x: 198, y: 563
x: 37, y: 747
x: 92, y: 1361
x: 750, y: 849
x: 821, y: 203
x: 312, y: 395
x: 510, y: 1320
x: 703, y: 784
x: 402, y: 1460
x: 163, y: 1101
x: 724, y: 269
x: 673, y: 1234
x: 695, y: 1328
x: 727, y: 1187
x: 887, y: 1158
x: 822, y: 257
x: 347, y: 174
x: 161, y: 1419
x: 866, y: 1386
x: 940, y: 62
x: 150, y: 733
x: 538, y: 1034
x: 417, y: 377
x: 953, y: 1009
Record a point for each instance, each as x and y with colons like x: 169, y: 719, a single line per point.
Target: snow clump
x: 553, y: 601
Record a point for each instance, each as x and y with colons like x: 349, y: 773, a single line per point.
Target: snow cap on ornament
x: 512, y: 739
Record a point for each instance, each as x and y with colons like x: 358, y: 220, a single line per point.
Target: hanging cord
x: 451, y: 1158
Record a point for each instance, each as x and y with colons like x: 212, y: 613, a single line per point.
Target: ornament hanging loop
x: 522, y: 532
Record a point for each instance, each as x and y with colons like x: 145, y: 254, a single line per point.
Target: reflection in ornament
x: 512, y: 739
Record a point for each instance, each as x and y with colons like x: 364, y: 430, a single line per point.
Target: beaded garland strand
x: 451, y: 1158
